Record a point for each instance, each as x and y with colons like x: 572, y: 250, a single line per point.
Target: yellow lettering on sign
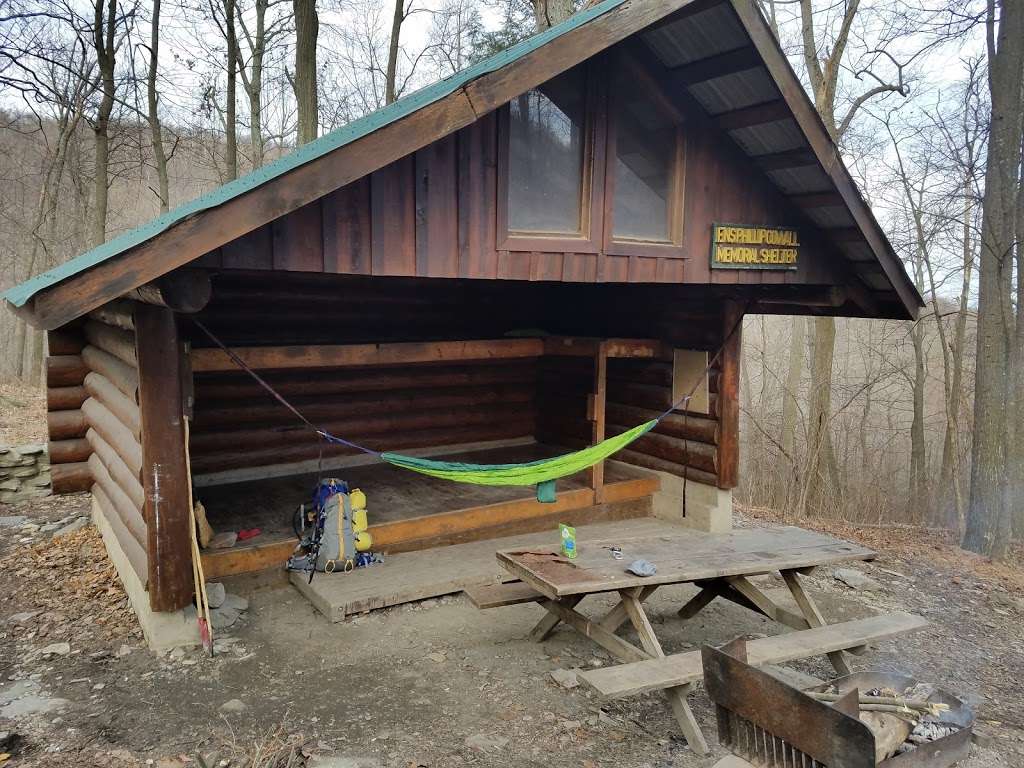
x: 735, y: 245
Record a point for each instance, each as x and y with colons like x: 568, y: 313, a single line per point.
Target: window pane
x: 645, y: 159
x: 546, y: 145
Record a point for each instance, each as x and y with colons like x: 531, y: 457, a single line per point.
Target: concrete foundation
x: 161, y: 630
x: 708, y: 508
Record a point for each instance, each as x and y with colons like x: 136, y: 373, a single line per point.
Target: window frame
x: 590, y: 237
x: 673, y: 247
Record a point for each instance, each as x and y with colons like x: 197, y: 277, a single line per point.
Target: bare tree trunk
x: 794, y: 371
x: 917, y: 499
x: 307, y: 28
x: 821, y: 465
x: 551, y: 12
x: 103, y: 41
x: 231, y: 97
x: 392, y: 71
x: 153, y: 116
x: 988, y: 512
x: 252, y: 81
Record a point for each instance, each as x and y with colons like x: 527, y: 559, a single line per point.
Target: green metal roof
x: 19, y: 295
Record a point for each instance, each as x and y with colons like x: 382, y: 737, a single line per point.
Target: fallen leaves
x: 72, y: 584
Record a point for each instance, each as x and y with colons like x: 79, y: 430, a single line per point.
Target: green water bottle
x: 568, y: 541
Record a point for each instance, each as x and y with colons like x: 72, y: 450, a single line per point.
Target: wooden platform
x: 409, y: 511
x: 419, y: 575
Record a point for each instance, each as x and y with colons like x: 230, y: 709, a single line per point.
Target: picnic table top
x: 680, y: 557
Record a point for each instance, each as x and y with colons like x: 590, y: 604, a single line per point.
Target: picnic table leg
x: 813, y: 616
x: 676, y: 695
x: 697, y: 603
x: 617, y: 615
x: 547, y: 625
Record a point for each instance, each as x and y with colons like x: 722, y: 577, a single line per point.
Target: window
x: 591, y: 161
x: 644, y: 160
x: 547, y: 159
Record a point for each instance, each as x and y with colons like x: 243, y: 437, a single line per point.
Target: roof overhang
x: 701, y: 27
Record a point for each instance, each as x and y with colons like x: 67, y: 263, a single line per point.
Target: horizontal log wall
x: 111, y: 436
x: 237, y: 424
x: 637, y: 391
x: 66, y: 426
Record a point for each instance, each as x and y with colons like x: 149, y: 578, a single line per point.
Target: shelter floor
x: 398, y: 498
x: 392, y: 493
x: 411, y: 576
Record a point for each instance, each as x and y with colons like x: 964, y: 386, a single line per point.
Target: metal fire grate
x: 774, y: 725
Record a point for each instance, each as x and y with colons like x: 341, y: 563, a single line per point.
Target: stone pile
x: 24, y: 472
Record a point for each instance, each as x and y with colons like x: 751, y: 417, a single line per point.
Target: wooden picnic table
x: 720, y: 564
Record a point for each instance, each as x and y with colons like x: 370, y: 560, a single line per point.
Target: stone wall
x: 24, y: 472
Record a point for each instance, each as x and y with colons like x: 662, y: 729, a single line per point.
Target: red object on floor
x: 249, y: 533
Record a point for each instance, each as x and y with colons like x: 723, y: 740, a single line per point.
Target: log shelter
x: 527, y: 257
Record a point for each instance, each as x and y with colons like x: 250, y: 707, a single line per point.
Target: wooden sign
x: 741, y: 246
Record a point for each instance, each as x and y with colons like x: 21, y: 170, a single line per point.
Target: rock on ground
x: 565, y: 678
x: 486, y: 742
x: 215, y: 594
x: 856, y: 580
x: 234, y: 707
x: 323, y: 761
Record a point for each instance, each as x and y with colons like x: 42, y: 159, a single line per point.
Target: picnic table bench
x: 721, y: 565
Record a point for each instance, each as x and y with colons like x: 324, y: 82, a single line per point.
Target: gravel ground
x: 432, y: 684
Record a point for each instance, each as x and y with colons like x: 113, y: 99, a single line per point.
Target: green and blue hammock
x: 542, y: 473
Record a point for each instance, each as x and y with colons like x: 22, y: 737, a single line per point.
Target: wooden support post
x: 164, y: 475
x: 814, y: 618
x: 633, y: 604
x: 729, y: 397
x: 596, y: 413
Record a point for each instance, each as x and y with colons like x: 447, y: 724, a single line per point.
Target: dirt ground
x: 433, y: 684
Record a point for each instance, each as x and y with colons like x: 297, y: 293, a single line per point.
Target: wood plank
x: 65, y: 398
x: 346, y: 223
x: 687, y: 557
x: 683, y: 668
x: 393, y: 218
x: 115, y: 341
x: 500, y: 595
x: 478, y: 198
x: 65, y: 425
x: 298, y: 244
x: 417, y: 533
x: 134, y: 552
x: 116, y: 434
x: 597, y: 416
x: 728, y: 400
x: 67, y: 341
x: 253, y: 250
x: 102, y: 389
x: 676, y: 695
x: 125, y: 478
x: 415, y: 575
x: 725, y: 63
x: 343, y: 355
x: 71, y: 477
x: 117, y: 313
x: 437, y: 215
x: 69, y: 451
x: 615, y: 645
x: 165, y: 477
x: 126, y: 510
x: 123, y: 376
x: 813, y: 616
x: 65, y: 370
x: 756, y: 114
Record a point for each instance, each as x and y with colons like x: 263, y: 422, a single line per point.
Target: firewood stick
x: 889, y: 701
